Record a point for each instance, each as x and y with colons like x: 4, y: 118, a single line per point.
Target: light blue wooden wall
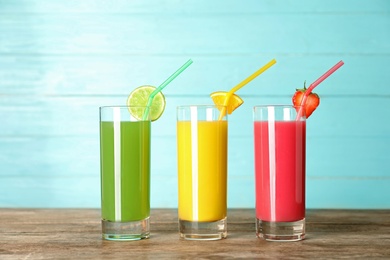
x: 61, y: 60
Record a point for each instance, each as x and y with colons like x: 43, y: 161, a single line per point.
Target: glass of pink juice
x: 279, y: 149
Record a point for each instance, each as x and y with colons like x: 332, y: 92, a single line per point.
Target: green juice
x: 125, y: 180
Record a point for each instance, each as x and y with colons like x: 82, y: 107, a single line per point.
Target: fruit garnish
x: 219, y: 98
x: 139, y: 97
x: 311, y: 103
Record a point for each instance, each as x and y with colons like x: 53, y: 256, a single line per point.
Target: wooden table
x: 75, y: 234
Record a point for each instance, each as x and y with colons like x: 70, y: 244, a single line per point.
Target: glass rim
x: 276, y: 105
x: 200, y: 106
x: 118, y: 106
x: 258, y: 110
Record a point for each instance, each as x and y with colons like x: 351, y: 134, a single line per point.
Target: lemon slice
x: 139, y: 97
x: 219, y: 99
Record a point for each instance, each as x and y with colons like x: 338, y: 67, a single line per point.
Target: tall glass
x: 125, y: 174
x: 202, y: 172
x: 280, y: 141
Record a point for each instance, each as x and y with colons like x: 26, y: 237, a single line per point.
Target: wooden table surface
x: 75, y: 234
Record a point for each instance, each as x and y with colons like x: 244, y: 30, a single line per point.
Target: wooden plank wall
x: 61, y: 60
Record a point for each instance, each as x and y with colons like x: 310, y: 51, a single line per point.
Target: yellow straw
x: 243, y: 83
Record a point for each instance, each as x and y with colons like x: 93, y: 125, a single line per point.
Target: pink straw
x: 316, y: 83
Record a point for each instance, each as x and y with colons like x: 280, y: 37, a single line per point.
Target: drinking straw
x: 315, y: 84
x: 163, y: 85
x: 243, y: 83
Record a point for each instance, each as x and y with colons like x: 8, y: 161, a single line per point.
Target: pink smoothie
x: 280, y: 178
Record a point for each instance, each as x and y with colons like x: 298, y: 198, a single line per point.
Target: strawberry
x: 311, y: 103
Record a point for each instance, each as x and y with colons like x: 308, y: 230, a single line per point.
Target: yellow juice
x: 202, y: 185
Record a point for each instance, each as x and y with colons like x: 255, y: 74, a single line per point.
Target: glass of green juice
x: 125, y: 173
x: 202, y: 172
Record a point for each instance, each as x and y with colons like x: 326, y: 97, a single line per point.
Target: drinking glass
x: 125, y: 174
x: 279, y: 149
x: 202, y: 172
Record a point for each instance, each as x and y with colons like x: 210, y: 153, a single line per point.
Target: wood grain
x: 75, y: 233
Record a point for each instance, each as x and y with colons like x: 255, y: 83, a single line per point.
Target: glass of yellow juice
x: 202, y: 172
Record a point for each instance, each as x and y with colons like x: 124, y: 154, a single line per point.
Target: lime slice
x: 139, y: 97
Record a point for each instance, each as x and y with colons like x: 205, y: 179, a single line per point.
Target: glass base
x: 191, y: 230
x: 280, y: 231
x: 123, y: 231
